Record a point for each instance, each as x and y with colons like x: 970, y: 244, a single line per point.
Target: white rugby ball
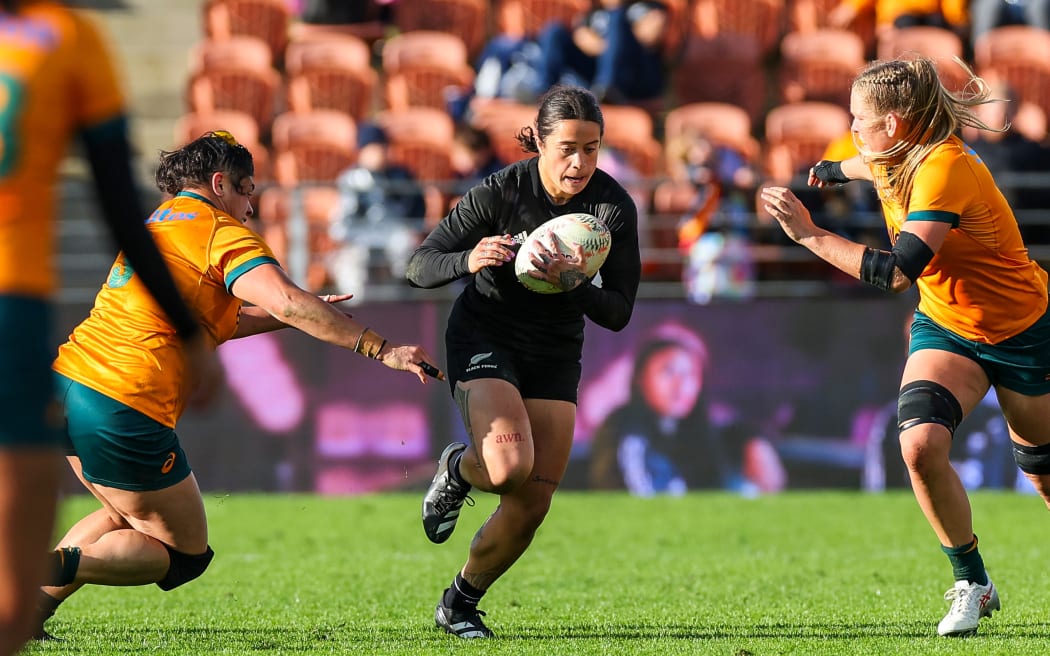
x: 563, y: 233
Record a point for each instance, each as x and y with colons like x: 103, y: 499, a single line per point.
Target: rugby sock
x: 462, y: 595
x: 64, y: 564
x: 46, y: 605
x: 967, y: 564
x: 453, y: 469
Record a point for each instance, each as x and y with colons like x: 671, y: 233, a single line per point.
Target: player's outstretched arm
x: 269, y: 289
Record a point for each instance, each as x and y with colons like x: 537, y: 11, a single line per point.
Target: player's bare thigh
x: 174, y: 515
x: 1027, y: 416
x: 962, y: 376
x: 499, y: 428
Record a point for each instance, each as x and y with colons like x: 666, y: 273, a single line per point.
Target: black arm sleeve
x: 109, y: 154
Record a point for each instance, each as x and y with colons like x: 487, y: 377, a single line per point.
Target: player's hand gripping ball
x: 562, y: 234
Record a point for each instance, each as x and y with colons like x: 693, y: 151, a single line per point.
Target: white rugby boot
x: 970, y: 602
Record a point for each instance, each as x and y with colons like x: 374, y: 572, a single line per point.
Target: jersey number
x: 12, y: 97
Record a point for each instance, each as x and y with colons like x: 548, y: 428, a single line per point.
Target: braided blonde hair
x: 930, y: 113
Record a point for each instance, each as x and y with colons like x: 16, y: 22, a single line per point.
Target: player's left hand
x: 566, y: 271
x: 789, y: 212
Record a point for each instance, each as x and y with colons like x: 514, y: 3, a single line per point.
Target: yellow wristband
x: 369, y: 344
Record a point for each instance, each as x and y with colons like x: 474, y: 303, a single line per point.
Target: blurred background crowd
x: 368, y: 118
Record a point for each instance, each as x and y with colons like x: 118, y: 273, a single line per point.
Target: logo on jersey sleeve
x: 119, y: 275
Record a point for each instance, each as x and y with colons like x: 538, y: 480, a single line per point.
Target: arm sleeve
x: 611, y: 305
x: 109, y: 155
x: 442, y: 257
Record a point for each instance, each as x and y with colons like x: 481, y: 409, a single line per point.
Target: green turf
x: 800, y: 573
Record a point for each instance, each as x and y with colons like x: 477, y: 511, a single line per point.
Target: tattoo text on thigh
x: 507, y: 438
x: 548, y: 481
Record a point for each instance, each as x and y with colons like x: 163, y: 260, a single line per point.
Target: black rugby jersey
x: 513, y: 202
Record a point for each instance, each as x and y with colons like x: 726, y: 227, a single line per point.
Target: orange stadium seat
x: 467, y: 19
x: 316, y: 203
x: 267, y: 19
x: 420, y: 66
x: 313, y: 146
x: 810, y: 15
x: 798, y: 133
x: 421, y: 141
x: 720, y: 123
x: 630, y: 130
x: 940, y: 44
x: 528, y: 17
x: 721, y: 68
x: 240, y: 124
x: 248, y: 90
x: 502, y: 120
x: 330, y: 72
x: 248, y: 52
x: 759, y: 19
x: 820, y: 65
x: 1020, y: 56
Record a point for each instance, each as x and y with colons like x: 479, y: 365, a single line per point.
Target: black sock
x: 453, y: 469
x: 462, y: 595
x: 64, y: 564
x: 46, y: 605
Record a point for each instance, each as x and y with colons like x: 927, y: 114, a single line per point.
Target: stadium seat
x: 419, y: 68
x: 502, y: 120
x: 528, y: 17
x: 330, y: 72
x: 721, y: 68
x: 721, y: 123
x: 316, y: 203
x: 940, y: 44
x: 421, y: 141
x: 797, y: 134
x: 311, y: 147
x: 810, y: 15
x: 759, y: 19
x: 248, y: 90
x: 192, y: 125
x: 467, y: 19
x: 267, y: 19
x: 820, y: 65
x: 1020, y: 56
x: 239, y: 51
x: 630, y: 130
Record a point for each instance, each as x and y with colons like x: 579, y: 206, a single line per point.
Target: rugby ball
x: 562, y: 234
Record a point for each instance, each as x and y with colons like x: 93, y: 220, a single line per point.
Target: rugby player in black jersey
x: 513, y: 354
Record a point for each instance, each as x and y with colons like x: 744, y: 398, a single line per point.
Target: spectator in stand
x: 949, y: 14
x: 616, y: 50
x: 989, y: 14
x: 473, y: 157
x: 380, y: 210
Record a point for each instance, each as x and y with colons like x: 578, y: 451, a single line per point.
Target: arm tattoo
x: 570, y: 280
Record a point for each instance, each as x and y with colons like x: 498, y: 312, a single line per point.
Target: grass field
x: 799, y: 573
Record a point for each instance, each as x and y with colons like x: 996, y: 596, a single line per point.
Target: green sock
x: 967, y: 564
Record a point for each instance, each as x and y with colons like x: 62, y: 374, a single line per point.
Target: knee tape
x: 184, y: 568
x: 927, y: 402
x: 1032, y: 459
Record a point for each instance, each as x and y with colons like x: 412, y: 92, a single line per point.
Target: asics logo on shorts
x: 479, y: 357
x: 169, y: 462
